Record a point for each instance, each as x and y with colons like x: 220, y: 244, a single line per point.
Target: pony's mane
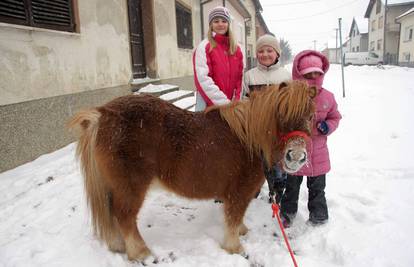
x: 274, y: 110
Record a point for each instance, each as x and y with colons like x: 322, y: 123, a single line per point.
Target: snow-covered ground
x: 44, y: 219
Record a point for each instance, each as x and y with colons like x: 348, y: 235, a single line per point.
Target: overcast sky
x: 302, y: 21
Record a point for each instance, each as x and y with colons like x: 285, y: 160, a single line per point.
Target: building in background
x: 358, y: 35
x: 384, y: 32
x: 406, y: 42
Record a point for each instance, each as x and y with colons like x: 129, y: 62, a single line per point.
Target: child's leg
x: 289, y: 203
x: 318, y: 209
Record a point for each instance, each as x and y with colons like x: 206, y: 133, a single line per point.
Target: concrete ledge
x: 30, y: 129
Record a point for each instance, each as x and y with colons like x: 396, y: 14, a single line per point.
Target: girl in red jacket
x: 311, y: 66
x: 218, y: 63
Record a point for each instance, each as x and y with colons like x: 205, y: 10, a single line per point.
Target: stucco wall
x: 36, y: 64
x: 377, y: 34
x: 173, y: 61
x: 406, y: 46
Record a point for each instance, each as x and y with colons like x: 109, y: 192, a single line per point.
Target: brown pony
x: 137, y: 140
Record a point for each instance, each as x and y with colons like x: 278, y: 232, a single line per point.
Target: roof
x: 262, y: 22
x: 389, y: 3
x: 258, y: 5
x: 362, y: 25
x: 405, y: 13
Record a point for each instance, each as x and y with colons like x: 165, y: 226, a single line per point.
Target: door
x: 136, y: 39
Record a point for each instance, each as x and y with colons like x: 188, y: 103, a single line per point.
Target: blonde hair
x: 232, y: 41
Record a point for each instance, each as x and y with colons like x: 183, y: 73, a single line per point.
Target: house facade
x: 57, y: 57
x: 383, y: 30
x: 406, y: 43
x: 358, y: 35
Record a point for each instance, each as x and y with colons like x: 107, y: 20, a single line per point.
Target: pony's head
x: 294, y: 109
x: 276, y: 122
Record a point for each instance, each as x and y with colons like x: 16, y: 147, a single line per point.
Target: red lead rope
x: 275, y: 208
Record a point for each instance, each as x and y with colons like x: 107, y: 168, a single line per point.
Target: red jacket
x: 217, y: 74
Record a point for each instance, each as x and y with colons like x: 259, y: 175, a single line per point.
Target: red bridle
x: 284, y: 138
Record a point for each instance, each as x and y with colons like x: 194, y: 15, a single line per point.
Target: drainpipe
x: 245, y: 39
x: 398, y: 44
x: 385, y: 30
x: 202, y: 3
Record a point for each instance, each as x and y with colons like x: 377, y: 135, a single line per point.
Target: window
x: 372, y: 54
x: 353, y: 34
x: 49, y: 14
x: 378, y: 6
x: 184, y: 26
x: 380, y: 22
x: 372, y: 46
x: 373, y: 25
x: 406, y: 56
x: 357, y: 48
x: 353, y: 49
x: 379, y: 44
x: 408, y: 33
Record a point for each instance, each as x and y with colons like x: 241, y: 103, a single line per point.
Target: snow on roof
x: 362, y: 24
x: 405, y: 13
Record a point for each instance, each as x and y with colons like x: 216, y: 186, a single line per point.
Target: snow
x: 176, y: 94
x: 156, y: 88
x: 186, y: 103
x: 44, y: 218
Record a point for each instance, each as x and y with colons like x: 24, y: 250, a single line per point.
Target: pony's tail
x: 86, y: 124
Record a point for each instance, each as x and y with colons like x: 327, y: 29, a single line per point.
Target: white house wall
x: 406, y: 46
x: 173, y: 61
x: 37, y: 64
x: 377, y: 34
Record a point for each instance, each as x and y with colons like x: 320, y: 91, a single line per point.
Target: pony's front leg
x: 234, y: 213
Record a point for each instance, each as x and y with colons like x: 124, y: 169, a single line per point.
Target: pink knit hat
x: 310, y: 63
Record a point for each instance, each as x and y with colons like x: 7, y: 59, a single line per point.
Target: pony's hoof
x: 238, y: 249
x: 150, y: 260
x: 243, y: 229
x: 117, y: 246
x: 140, y: 255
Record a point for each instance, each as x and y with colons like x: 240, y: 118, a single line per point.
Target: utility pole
x: 336, y: 45
x: 342, y: 61
x: 385, y: 30
x: 314, y: 44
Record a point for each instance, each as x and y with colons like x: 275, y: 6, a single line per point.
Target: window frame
x: 408, y: 33
x: 380, y: 22
x: 379, y: 44
x: 378, y: 6
x: 183, y: 15
x: 37, y: 13
x: 372, y: 46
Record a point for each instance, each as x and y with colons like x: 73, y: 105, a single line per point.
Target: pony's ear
x: 312, y: 91
x: 283, y: 85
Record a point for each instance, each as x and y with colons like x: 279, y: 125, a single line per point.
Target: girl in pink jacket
x: 311, y: 66
x: 218, y: 63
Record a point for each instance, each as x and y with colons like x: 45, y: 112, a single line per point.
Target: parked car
x: 362, y: 58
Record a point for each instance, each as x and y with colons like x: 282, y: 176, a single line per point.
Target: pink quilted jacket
x: 326, y: 110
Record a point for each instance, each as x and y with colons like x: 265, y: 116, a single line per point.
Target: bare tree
x: 286, y: 56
